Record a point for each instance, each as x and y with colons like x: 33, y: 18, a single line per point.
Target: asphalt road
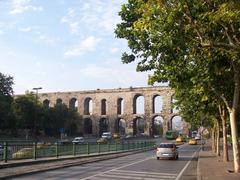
x: 137, y: 166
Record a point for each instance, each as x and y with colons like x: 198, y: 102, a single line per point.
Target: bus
x: 171, y: 135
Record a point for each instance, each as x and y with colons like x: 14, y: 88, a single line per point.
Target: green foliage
x: 193, y: 45
x: 7, y: 120
x: 32, y: 115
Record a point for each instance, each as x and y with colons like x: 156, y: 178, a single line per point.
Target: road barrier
x: 33, y: 150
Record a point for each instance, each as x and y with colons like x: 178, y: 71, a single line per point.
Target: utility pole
x: 36, y: 89
x: 35, y: 114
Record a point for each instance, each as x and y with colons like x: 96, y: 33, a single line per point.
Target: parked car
x: 78, y: 140
x: 63, y: 142
x: 116, y: 135
x: 23, y: 153
x: 102, y: 141
x: 167, y: 151
x: 42, y: 145
x: 156, y: 136
x: 192, y: 141
x: 107, y: 135
x: 1, y: 150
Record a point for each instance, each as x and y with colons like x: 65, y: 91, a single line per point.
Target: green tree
x: 7, y: 120
x: 27, y: 113
x: 172, y: 38
x: 60, y: 116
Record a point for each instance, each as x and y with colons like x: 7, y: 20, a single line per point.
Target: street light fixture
x: 36, y: 89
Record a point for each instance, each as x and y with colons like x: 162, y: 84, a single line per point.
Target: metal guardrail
x: 33, y: 150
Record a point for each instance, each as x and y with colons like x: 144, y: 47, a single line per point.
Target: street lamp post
x: 35, y: 118
x: 36, y: 89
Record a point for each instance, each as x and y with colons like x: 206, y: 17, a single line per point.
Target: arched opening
x: 138, y: 126
x: 157, y: 104
x: 138, y: 104
x: 103, y: 106
x: 103, y: 126
x: 120, y: 106
x: 59, y: 101
x: 87, y: 126
x: 121, y: 126
x: 46, y: 103
x: 157, y: 126
x: 177, y: 123
x: 174, y: 108
x: 73, y: 104
x: 88, y: 106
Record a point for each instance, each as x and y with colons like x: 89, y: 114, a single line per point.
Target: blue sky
x: 64, y: 45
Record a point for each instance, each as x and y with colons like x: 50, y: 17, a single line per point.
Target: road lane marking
x: 185, y: 167
x: 142, y: 172
x: 118, y: 168
x: 129, y: 176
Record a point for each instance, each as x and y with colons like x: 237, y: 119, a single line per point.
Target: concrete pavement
x: 212, y: 167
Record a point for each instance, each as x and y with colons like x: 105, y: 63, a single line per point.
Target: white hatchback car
x: 167, y: 151
x: 78, y: 140
x: 107, y: 135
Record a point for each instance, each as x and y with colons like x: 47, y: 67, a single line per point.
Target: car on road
x: 102, y: 141
x: 107, y: 135
x: 1, y: 150
x: 180, y: 139
x: 192, y: 141
x: 167, y: 151
x: 198, y: 137
x: 78, y: 140
x: 23, y: 153
x: 63, y: 142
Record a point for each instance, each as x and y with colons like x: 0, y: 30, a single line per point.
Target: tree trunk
x: 224, y: 129
x: 217, y: 138
x: 225, y: 143
x: 234, y: 132
x: 233, y: 117
x: 213, y: 140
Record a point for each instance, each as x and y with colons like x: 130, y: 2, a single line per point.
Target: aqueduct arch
x: 98, y: 107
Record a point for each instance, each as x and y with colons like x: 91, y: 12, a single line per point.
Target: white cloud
x: 114, y: 74
x: 20, y: 6
x: 87, y: 45
x: 114, y: 50
x: 74, y: 27
x: 96, y: 15
x: 26, y: 29
x: 71, y: 12
x: 48, y: 40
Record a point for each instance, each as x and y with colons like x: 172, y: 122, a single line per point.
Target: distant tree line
x: 25, y: 114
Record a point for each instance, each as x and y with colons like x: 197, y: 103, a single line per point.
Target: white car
x: 167, y: 151
x: 198, y: 137
x: 78, y: 140
x: 107, y: 135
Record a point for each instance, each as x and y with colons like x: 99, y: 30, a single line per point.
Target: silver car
x: 167, y: 151
x: 78, y: 140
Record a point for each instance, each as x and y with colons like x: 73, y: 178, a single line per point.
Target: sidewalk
x: 212, y: 167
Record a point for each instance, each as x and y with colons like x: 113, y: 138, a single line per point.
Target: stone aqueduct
x: 110, y: 106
